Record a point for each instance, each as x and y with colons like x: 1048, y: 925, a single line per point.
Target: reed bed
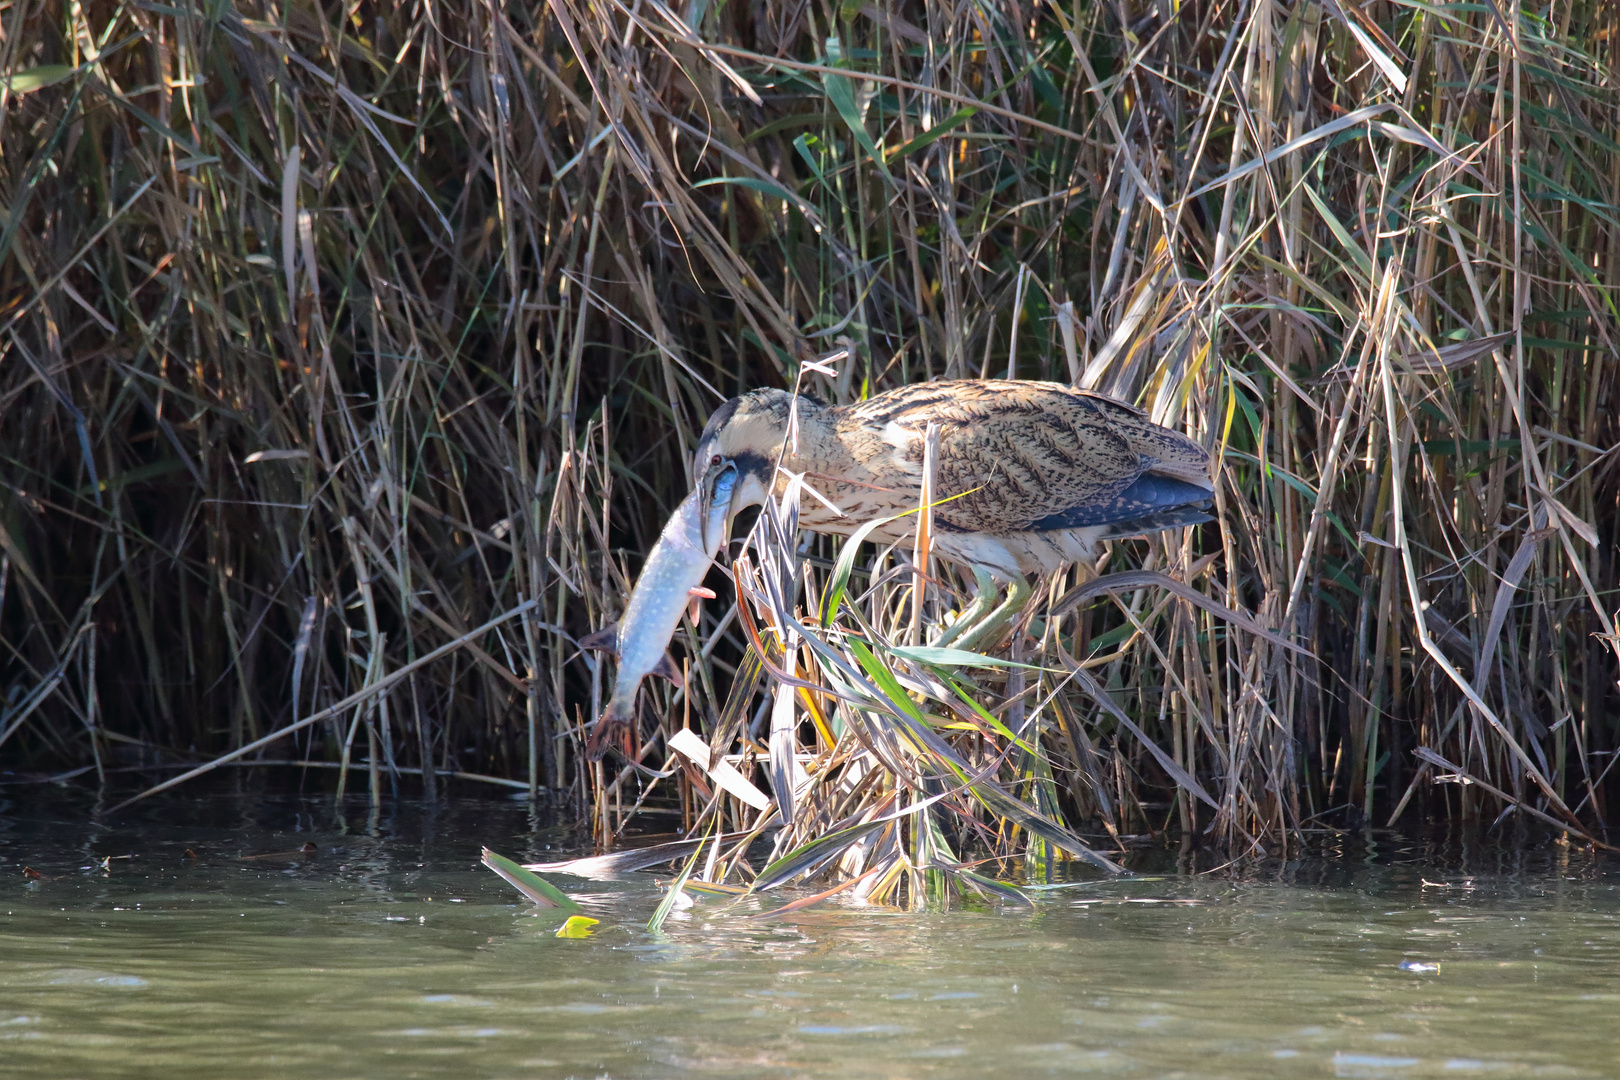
x: 352, y: 355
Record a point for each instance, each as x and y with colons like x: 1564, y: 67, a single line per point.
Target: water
x: 389, y: 953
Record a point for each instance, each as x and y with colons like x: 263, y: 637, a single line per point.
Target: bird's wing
x: 1016, y: 455
x: 1166, y: 453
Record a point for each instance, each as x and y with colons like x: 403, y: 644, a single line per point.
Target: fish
x: 671, y: 580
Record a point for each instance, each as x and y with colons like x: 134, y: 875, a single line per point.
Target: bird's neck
x: 812, y: 446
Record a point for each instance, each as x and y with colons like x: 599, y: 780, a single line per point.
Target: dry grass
x: 329, y: 335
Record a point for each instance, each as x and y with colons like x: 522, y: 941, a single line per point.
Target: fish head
x: 736, y: 460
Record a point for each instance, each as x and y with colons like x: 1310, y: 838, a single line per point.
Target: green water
x: 389, y: 953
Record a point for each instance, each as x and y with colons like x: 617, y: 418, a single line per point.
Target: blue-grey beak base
x: 718, y: 483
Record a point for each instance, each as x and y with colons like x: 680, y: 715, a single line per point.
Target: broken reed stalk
x: 327, y: 336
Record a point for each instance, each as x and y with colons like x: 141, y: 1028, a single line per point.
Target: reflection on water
x: 388, y: 952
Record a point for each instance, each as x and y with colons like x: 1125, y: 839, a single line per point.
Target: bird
x: 1029, y: 477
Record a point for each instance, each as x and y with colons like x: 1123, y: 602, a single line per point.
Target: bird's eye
x: 715, y: 460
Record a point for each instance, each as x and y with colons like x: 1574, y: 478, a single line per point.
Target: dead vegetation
x: 350, y: 356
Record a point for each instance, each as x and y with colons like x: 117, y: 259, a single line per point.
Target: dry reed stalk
x: 328, y: 336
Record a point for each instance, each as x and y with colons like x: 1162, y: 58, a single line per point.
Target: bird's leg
x: 984, y: 595
x: 985, y: 633
x: 978, y: 624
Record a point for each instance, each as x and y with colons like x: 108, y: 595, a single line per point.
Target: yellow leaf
x: 577, y: 926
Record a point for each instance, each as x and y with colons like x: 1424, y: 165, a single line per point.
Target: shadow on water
x: 201, y: 936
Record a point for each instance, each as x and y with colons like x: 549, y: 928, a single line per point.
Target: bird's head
x: 737, y: 455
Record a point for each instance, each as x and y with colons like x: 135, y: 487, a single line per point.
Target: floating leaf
x: 577, y: 926
x: 995, y: 887
x: 530, y: 884
x: 805, y: 901
x: 623, y: 862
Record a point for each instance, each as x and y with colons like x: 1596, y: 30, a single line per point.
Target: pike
x: 670, y: 582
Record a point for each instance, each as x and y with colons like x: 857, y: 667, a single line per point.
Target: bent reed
x: 352, y: 357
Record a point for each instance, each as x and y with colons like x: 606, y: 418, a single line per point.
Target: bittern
x: 1028, y: 477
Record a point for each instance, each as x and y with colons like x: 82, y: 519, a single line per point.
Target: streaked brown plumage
x: 1040, y: 472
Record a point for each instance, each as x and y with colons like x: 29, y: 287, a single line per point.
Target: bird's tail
x: 1173, y: 517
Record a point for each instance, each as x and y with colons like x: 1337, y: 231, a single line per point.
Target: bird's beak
x: 717, y: 505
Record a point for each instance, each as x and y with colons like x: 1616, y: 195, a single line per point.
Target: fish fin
x: 603, y: 640
x: 694, y: 602
x: 612, y: 730
x: 666, y: 669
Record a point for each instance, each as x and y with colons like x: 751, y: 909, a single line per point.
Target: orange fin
x: 694, y: 602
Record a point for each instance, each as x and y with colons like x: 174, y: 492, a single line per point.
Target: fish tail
x: 612, y: 730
